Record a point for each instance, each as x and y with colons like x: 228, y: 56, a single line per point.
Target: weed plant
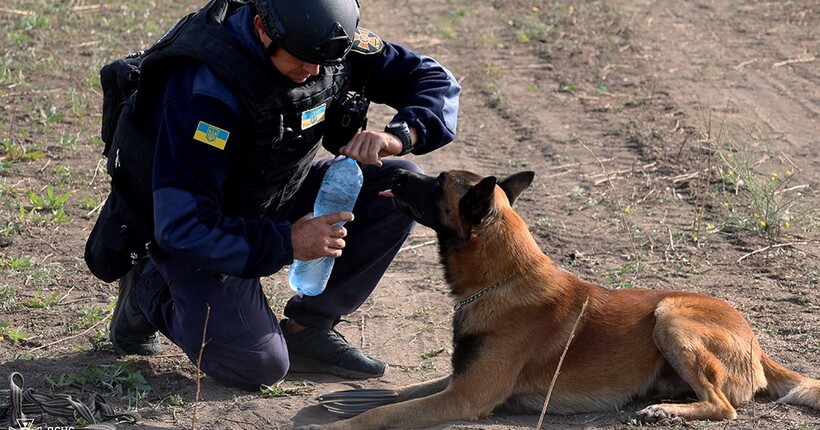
x: 40, y: 301
x: 115, y: 379
x: 88, y: 317
x: 769, y: 208
x: 15, y: 264
x: 7, y: 332
x: 48, y: 207
x: 8, y: 296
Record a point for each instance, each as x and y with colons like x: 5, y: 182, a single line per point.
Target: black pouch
x: 119, y: 80
x: 119, y: 239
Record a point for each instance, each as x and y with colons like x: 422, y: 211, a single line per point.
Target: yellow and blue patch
x: 313, y: 116
x: 366, y: 42
x: 211, y: 135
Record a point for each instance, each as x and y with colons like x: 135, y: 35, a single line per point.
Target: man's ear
x: 477, y: 204
x: 260, y: 31
x: 515, y: 184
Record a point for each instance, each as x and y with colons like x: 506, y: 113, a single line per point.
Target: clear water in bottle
x: 338, y: 192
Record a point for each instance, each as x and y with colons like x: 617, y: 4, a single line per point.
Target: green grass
x: 543, y: 223
x: 100, y: 342
x: 432, y: 353
x: 116, y: 379
x: 426, y: 366
x: 88, y: 203
x: 46, y: 207
x: 175, y: 400
x: 7, y: 332
x: 16, y: 264
x: 89, y: 316
x: 48, y: 201
x: 277, y: 390
x: 40, y: 301
x: 625, y: 276
x: 8, y: 297
x: 424, y: 312
x: 11, y: 153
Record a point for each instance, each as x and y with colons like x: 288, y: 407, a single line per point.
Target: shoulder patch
x: 366, y: 42
x: 211, y: 135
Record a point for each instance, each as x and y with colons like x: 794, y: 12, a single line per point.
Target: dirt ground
x: 638, y: 117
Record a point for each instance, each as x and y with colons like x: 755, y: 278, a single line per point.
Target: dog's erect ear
x: 477, y: 204
x: 515, y: 184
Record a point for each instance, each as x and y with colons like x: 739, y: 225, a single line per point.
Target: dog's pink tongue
x: 387, y: 193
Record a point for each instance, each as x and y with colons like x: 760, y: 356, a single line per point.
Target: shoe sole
x: 309, y: 365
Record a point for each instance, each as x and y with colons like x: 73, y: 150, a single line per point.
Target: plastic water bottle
x: 338, y: 192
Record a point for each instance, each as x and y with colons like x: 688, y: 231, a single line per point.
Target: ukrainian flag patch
x: 313, y: 116
x: 214, y: 136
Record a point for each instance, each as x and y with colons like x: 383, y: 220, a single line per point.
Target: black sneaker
x: 130, y: 331
x: 316, y: 350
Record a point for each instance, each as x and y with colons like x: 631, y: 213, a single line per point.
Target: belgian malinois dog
x: 515, y: 312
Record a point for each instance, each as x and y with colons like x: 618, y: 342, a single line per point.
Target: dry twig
x: 560, y: 362
x: 808, y: 59
x: 199, y: 364
x: 91, y: 213
x: 73, y: 336
x: 745, y: 63
x: 16, y: 11
x: 768, y: 247
x: 418, y: 245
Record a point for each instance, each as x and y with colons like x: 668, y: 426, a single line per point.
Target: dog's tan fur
x: 629, y: 343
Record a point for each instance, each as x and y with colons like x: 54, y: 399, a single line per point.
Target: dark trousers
x: 244, y: 344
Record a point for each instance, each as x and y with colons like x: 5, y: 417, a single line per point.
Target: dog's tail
x: 790, y: 387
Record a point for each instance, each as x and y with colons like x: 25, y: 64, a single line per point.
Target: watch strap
x: 402, y: 131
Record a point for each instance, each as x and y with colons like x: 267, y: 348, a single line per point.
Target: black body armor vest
x: 272, y: 166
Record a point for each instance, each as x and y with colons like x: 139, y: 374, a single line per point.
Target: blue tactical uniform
x: 226, y: 193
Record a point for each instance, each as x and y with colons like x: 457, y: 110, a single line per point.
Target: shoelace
x: 18, y: 402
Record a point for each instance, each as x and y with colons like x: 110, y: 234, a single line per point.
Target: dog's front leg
x: 471, y: 395
x: 423, y: 389
x: 448, y: 405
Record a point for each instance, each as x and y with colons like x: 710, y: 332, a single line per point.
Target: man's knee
x: 401, y: 163
x: 250, y: 368
x: 271, y: 366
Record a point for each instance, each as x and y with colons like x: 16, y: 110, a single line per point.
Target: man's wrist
x: 401, y: 130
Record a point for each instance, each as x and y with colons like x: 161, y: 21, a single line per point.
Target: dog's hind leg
x: 704, y: 373
x: 710, y: 347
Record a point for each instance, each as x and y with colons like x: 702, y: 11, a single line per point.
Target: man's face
x: 293, y: 68
x: 296, y: 70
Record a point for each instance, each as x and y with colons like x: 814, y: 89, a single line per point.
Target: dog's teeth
x: 387, y: 193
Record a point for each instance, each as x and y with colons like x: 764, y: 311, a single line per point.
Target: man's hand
x: 369, y: 146
x: 317, y: 237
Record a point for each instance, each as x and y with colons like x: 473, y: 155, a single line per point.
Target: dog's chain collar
x: 475, y: 296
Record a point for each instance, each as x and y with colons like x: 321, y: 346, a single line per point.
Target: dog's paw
x: 656, y: 414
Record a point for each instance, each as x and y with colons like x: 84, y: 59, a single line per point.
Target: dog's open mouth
x: 411, y: 210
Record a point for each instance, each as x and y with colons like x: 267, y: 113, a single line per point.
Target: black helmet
x: 316, y: 31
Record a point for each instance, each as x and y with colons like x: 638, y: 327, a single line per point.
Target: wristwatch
x: 402, y: 131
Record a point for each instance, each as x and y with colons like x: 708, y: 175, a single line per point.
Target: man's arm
x: 189, y: 173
